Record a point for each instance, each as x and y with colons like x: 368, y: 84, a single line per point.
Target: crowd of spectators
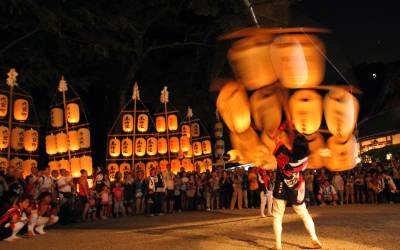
x: 43, y: 198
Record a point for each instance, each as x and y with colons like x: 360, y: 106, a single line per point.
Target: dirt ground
x: 348, y: 227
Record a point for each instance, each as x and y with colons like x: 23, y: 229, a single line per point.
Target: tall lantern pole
x: 12, y: 82
x: 189, y: 116
x: 135, y: 97
x: 164, y: 99
x: 62, y: 87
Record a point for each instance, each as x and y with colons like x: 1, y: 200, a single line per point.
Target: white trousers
x: 301, y: 210
x: 266, y: 199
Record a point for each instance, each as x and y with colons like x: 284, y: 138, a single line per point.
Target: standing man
x: 338, y: 184
x: 289, y: 186
x: 169, y: 181
x: 160, y: 192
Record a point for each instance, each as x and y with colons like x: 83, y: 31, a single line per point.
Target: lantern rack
x: 66, y: 101
x: 20, y: 154
x: 22, y: 124
x: 72, y: 127
x: 73, y: 154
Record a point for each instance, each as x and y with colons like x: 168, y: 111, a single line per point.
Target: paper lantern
x: 298, y: 60
x: 54, y: 165
x: 17, y: 138
x: 207, y: 163
x: 174, y: 144
x: 112, y: 169
x: 341, y: 111
x: 219, y: 148
x: 140, y: 147
x: 199, y: 166
x: 127, y: 123
x: 195, y: 129
x: 21, y: 110
x: 114, y: 147
x: 197, y: 151
x: 3, y: 164
x: 27, y: 165
x: 64, y: 164
x: 250, y: 60
x: 185, y: 143
x: 62, y: 144
x: 185, y: 130
x: 84, y: 137
x: 163, y: 165
x: 218, y: 130
x: 151, y: 144
x: 149, y: 165
x: 266, y: 109
x: 56, y: 117
x: 86, y: 163
x: 162, y: 146
x: 3, y: 106
x: 206, y: 147
x: 233, y: 105
x: 73, y: 140
x: 126, y: 147
x: 4, y: 137
x: 249, y: 146
x: 125, y: 167
x: 75, y: 167
x: 316, y: 143
x: 142, y: 123
x: 187, y: 165
x: 306, y: 111
x: 31, y: 140
x: 73, y: 114
x: 51, y: 144
x: 189, y: 153
x: 172, y: 122
x: 160, y: 124
x: 17, y: 163
x: 343, y: 154
x: 175, y: 165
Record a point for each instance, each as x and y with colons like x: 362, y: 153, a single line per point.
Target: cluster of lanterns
x: 283, y: 71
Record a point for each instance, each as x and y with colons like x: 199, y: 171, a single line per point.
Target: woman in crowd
x: 129, y: 193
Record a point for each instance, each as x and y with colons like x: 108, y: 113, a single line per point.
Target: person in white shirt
x: 45, y: 181
x: 64, y: 186
x: 338, y: 184
x: 327, y: 194
x: 169, y: 182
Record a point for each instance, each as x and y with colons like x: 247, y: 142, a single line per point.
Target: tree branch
x: 18, y: 40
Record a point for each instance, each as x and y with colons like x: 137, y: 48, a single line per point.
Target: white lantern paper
x: 17, y: 138
x: 195, y: 129
x: 4, y: 137
x: 126, y: 147
x: 114, y: 147
x: 185, y: 143
x: 73, y: 140
x: 56, y: 117
x: 64, y: 164
x: 197, y: 151
x: 73, y: 114
x: 31, y: 140
x: 140, y: 146
x: 75, y: 167
x: 151, y: 144
x: 174, y: 144
x: 172, y: 122
x: 160, y: 124
x: 162, y: 145
x: 185, y: 130
x: 86, y: 163
x: 3, y: 106
x: 84, y: 137
x: 142, y: 123
x: 62, y: 144
x: 343, y: 154
x: 127, y: 123
x: 219, y: 148
x: 21, y: 110
x: 206, y: 147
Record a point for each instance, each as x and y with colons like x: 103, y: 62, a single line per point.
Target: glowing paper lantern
x: 126, y: 147
x: 54, y: 166
x: 86, y: 163
x: 125, y: 167
x: 189, y: 153
x: 17, y: 163
x: 160, y: 124
x: 206, y: 147
x: 185, y: 130
x: 17, y: 138
x: 343, y: 153
x: 175, y: 165
x: 31, y: 140
x: 187, y: 165
x: 218, y: 130
x: 27, y: 165
x: 219, y: 148
x: 84, y: 137
x: 75, y: 167
x: 163, y: 165
x: 3, y: 164
x: 112, y: 169
x: 73, y: 114
x: 56, y: 117
x: 114, y: 147
x: 266, y: 109
x: 316, y: 143
x: 64, y: 164
x: 306, y: 111
x: 51, y: 144
x: 250, y: 60
x: 197, y: 148
x: 149, y: 165
x: 195, y: 129
x: 185, y: 143
x: 174, y: 144
x: 21, y: 110
x: 151, y: 144
x: 140, y: 146
x: 207, y: 163
x: 341, y: 111
x: 162, y: 146
x: 127, y: 123
x: 73, y: 140
x: 3, y: 106
x: 233, y: 105
x: 298, y: 60
x: 4, y: 137
x: 172, y: 122
x: 62, y: 144
x: 199, y: 166
x: 143, y: 123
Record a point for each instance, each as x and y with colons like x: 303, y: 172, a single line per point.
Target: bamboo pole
x: 63, y: 88
x: 134, y: 135
x: 10, y: 121
x: 167, y: 129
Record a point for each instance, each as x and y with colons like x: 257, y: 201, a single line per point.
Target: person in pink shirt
x: 118, y: 195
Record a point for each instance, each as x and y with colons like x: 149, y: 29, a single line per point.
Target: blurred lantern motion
x: 283, y: 70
